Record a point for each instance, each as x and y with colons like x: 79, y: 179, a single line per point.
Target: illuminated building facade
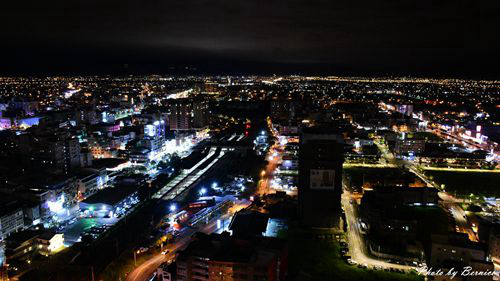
x: 91, y: 181
x: 24, y: 244
x: 11, y: 218
x: 49, y: 243
x: 406, y: 146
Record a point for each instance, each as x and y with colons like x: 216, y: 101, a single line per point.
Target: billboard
x: 322, y: 179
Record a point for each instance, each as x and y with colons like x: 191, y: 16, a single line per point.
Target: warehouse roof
x: 111, y: 195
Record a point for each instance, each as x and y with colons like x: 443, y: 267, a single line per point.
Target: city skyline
x: 144, y: 177
x: 250, y: 140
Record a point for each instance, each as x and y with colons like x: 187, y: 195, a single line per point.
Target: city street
x: 449, y: 202
x: 264, y: 184
x: 461, y: 220
x: 357, y: 246
x: 145, y: 270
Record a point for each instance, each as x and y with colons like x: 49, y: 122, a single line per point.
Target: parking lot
x: 73, y: 232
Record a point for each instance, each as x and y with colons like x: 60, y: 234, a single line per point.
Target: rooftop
x: 111, y: 195
x: 249, y: 223
x: 15, y: 240
x: 225, y: 248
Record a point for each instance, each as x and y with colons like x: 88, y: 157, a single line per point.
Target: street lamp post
x: 203, y: 191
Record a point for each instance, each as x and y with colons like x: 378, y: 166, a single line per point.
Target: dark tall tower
x: 320, y: 177
x: 181, y: 115
x: 200, y: 114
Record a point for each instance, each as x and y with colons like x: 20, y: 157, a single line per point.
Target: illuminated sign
x: 322, y: 179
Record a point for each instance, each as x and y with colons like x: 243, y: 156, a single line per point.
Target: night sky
x: 348, y: 37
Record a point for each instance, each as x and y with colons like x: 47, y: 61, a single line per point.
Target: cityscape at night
x: 250, y: 140
x: 248, y: 177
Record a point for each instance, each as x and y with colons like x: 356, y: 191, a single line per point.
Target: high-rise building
x: 154, y: 135
x: 406, y: 144
x: 11, y: 218
x: 181, y: 115
x: 72, y: 151
x: 51, y: 150
x: 320, y: 177
x: 200, y: 114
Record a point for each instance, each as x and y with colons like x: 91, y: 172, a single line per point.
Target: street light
x: 135, y: 257
x: 173, y: 207
x: 262, y: 173
x: 203, y: 191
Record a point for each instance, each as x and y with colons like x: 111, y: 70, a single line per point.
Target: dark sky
x: 377, y: 37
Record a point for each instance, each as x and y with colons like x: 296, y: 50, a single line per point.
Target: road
x: 414, y: 168
x: 449, y: 198
x: 357, y: 247
x: 457, y: 139
x: 264, y: 185
x: 145, y: 270
x: 460, y: 217
x: 404, y: 164
x: 449, y: 202
x: 386, y: 154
